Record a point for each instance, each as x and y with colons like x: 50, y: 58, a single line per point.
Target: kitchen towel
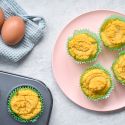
x: 34, y: 31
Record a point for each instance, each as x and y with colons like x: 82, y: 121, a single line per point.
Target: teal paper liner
x: 16, y: 116
x: 119, y: 48
x: 98, y: 66
x: 86, y: 31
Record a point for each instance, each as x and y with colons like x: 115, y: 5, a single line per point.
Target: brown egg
x: 13, y: 30
x: 1, y: 18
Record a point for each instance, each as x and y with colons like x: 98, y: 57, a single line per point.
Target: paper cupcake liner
x: 91, y: 59
x: 119, y: 48
x: 115, y: 61
x: 16, y: 116
x: 107, y: 94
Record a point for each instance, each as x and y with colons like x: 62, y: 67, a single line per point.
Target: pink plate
x: 67, y: 72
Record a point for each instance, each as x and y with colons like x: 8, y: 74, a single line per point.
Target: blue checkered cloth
x: 34, y: 31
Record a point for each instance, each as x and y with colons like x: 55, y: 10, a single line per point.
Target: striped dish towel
x: 34, y: 31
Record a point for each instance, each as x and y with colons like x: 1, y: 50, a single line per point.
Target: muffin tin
x: 8, y: 82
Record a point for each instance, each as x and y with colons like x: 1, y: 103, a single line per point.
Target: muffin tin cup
x: 17, y: 117
x: 104, y: 23
x: 109, y: 90
x: 91, y: 59
x: 120, y: 81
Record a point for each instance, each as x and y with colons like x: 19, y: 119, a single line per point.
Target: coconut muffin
x: 112, y: 32
x: 96, y: 83
x: 25, y: 104
x: 83, y: 46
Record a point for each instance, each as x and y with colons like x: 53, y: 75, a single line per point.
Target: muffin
x: 25, y: 104
x: 96, y: 83
x: 112, y: 32
x: 118, y: 68
x: 83, y: 46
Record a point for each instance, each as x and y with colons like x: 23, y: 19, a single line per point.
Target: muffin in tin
x: 25, y: 104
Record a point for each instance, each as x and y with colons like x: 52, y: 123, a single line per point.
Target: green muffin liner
x: 119, y: 48
x: 99, y: 98
x: 85, y: 31
x: 16, y: 116
x: 120, y: 81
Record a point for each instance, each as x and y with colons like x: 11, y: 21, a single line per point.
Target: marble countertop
x: 38, y: 63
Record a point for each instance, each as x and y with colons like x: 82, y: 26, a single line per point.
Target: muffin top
x: 119, y: 67
x: 82, y: 46
x: 95, y: 82
x: 26, y: 103
x: 113, y: 33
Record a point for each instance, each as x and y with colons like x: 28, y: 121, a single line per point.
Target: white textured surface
x: 38, y: 63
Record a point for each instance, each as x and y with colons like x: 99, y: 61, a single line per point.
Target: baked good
x: 83, y: 46
x: 96, y: 83
x: 112, y: 32
x: 25, y: 104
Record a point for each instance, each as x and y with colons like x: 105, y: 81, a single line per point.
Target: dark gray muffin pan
x: 10, y: 81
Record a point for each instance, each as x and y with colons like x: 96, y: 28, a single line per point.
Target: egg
x: 1, y: 18
x: 13, y: 30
